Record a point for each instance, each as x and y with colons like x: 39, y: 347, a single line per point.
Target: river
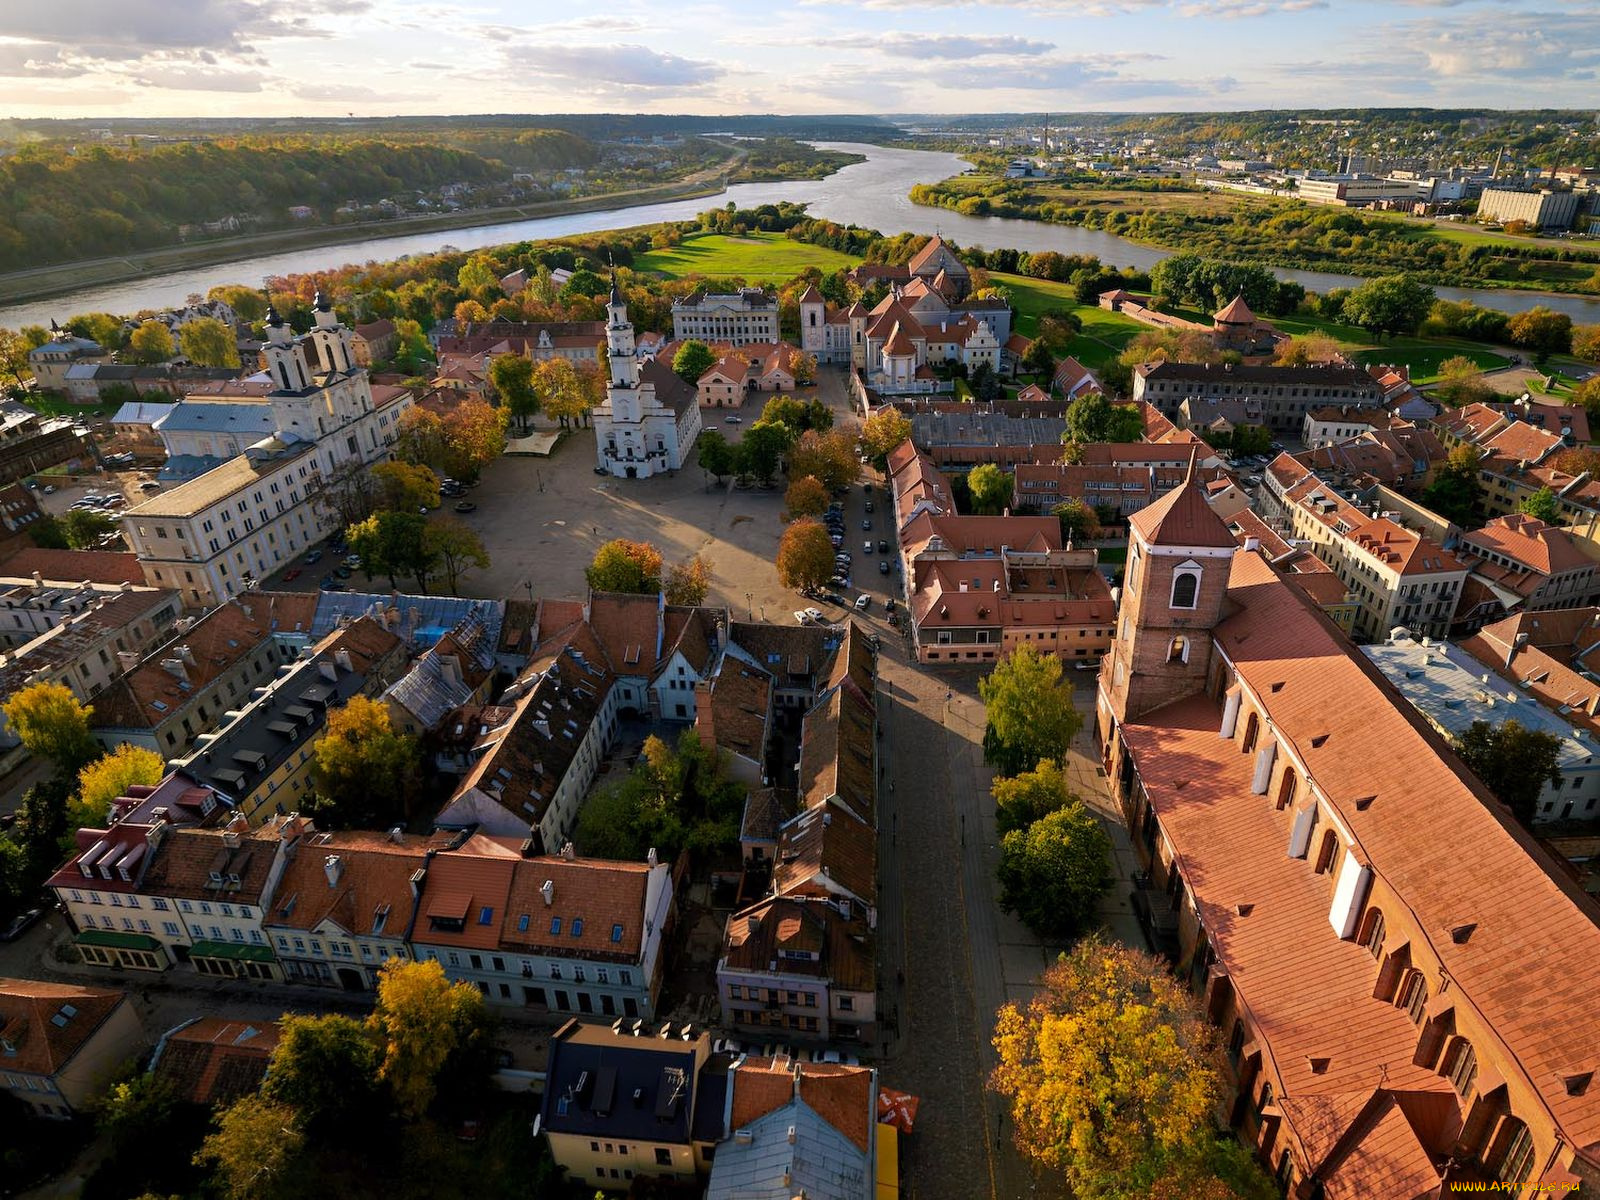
x: 873, y: 194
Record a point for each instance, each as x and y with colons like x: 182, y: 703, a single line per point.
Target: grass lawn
x: 757, y: 257
x: 1423, y: 356
x: 1104, y: 333
x: 52, y: 405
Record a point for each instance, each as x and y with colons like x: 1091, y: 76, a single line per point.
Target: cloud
x: 939, y: 45
x: 1546, y: 46
x: 1059, y: 8
x: 1239, y: 9
x: 181, y: 78
x: 614, y: 67
x: 347, y: 91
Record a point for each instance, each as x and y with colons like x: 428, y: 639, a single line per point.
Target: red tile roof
x: 215, y: 1060
x: 1547, y: 549
x: 33, y: 1018
x: 591, y: 897
x: 75, y: 566
x: 1182, y: 518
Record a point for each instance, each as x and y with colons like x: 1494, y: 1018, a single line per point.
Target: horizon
x: 894, y: 58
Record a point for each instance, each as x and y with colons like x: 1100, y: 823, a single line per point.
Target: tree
x: 1585, y: 342
x: 829, y: 457
x: 1058, y: 326
x: 1053, y: 873
x: 1460, y: 382
x: 762, y: 448
x: 325, y: 1068
x: 1093, y: 418
x: 456, y: 548
x: 1389, y: 304
x: 255, y: 1144
x: 1250, y: 439
x: 151, y: 343
x: 1543, y: 505
x: 990, y: 489
x: 207, y: 342
x: 1038, y: 359
x: 364, y: 769
x: 1079, y: 522
x: 882, y: 432
x: 1513, y: 761
x: 1306, y: 349
x: 793, y: 412
x: 1454, y: 491
x: 1021, y: 800
x: 511, y: 376
x: 390, y: 543
x: 14, y: 357
x: 421, y: 1022
x: 984, y: 383
x: 1587, y: 396
x: 1543, y: 331
x: 84, y: 527
x: 714, y: 453
x: 43, y: 833
x: 248, y: 303
x: 1577, y: 460
x: 805, y: 555
x: 625, y: 566
x: 693, y: 359
x: 688, y: 581
x: 412, y: 350
x: 51, y: 724
x: 1030, y: 712
x: 403, y: 487
x: 1111, y: 1071
x: 105, y: 779
x: 562, y: 390
x: 806, y: 497
x: 474, y: 436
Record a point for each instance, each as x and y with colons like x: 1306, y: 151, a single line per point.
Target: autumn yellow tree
x: 207, y: 342
x: 563, y: 390
x: 456, y: 548
x: 805, y: 555
x: 625, y: 566
x: 474, y: 436
x: 50, y: 723
x: 103, y: 780
x: 404, y: 487
x: 151, y: 343
x: 882, y: 432
x: 688, y: 581
x: 364, y: 769
x: 422, y: 1021
x: 1305, y: 349
x: 806, y: 497
x: 255, y: 1144
x: 1111, y: 1071
x: 827, y: 456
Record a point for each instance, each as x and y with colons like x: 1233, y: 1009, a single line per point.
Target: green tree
x: 248, y: 303
x: 1020, y: 800
x: 1250, y: 439
x: 563, y: 390
x: 456, y: 548
x: 364, y: 770
x: 1513, y: 761
x: 806, y: 497
x: 625, y: 566
x: 1454, y: 492
x: 84, y: 527
x: 1053, y: 873
x: 391, y: 544
x: 256, y: 1144
x: 107, y: 778
x: 1542, y: 504
x: 104, y: 328
x: 984, y: 383
x: 990, y: 489
x: 1038, y: 359
x: 1079, y: 522
x: 422, y: 1021
x: 1111, y: 1071
x: 1585, y: 342
x: 1093, y: 418
x: 207, y: 342
x: 715, y: 454
x: 511, y: 376
x: 326, y: 1069
x: 412, y: 350
x: 584, y: 282
x: 42, y: 833
x: 1030, y: 711
x: 51, y: 724
x: 1587, y: 396
x: 47, y: 533
x: 1543, y: 331
x: 805, y: 555
x: 151, y: 343
x: 761, y: 450
x: 693, y: 359
x: 401, y: 487
x: 1390, y: 304
x: 882, y: 432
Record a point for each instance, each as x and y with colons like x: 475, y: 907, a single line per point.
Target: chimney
x: 567, y: 850
x: 38, y: 579
x: 127, y: 659
x: 650, y: 857
x: 397, y: 834
x: 753, y: 923
x: 175, y: 668
x: 548, y: 890
x: 418, y: 878
x: 333, y: 868
x: 450, y: 668
x: 328, y: 671
x: 342, y: 657
x: 187, y: 655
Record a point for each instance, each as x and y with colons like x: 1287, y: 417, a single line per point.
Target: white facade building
x: 734, y: 318
x: 649, y: 418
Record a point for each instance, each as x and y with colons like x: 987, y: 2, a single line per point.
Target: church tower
x: 623, y: 390
x: 286, y: 359
x: 1173, y: 591
x: 335, y: 355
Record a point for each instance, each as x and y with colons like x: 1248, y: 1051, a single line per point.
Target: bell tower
x: 286, y: 359
x: 1173, y: 593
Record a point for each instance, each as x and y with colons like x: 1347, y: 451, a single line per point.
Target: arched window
x: 1265, y: 1100
x: 1251, y: 728
x: 1328, y: 856
x: 1286, y: 788
x: 1285, y: 1171
x: 1178, y: 652
x: 1372, y: 939
x: 1414, y: 996
x: 1185, y: 589
x: 1461, y: 1066
x: 1236, y: 1042
x: 1516, y: 1158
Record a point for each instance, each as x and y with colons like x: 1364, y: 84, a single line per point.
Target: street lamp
x: 749, y: 606
x: 528, y: 583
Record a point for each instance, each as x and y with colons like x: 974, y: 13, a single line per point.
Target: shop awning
x: 117, y: 940
x: 236, y: 951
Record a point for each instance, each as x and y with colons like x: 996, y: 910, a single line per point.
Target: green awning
x: 118, y: 940
x: 232, y: 950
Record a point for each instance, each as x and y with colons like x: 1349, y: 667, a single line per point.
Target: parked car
x: 866, y: 524
x: 313, y: 558
x: 343, y: 572
x: 466, y: 506
x: 353, y: 561
x: 866, y: 546
x: 883, y: 567
x: 883, y: 546
x: 20, y: 924
x: 863, y: 602
x: 733, y: 420
x: 831, y: 598
x: 149, y: 485
x: 50, y: 489
x: 291, y: 574
x: 869, y: 505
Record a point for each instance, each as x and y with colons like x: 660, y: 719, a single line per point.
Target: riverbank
x: 1282, y: 234
x: 43, y: 283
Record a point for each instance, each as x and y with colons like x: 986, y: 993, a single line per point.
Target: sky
x: 147, y: 58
